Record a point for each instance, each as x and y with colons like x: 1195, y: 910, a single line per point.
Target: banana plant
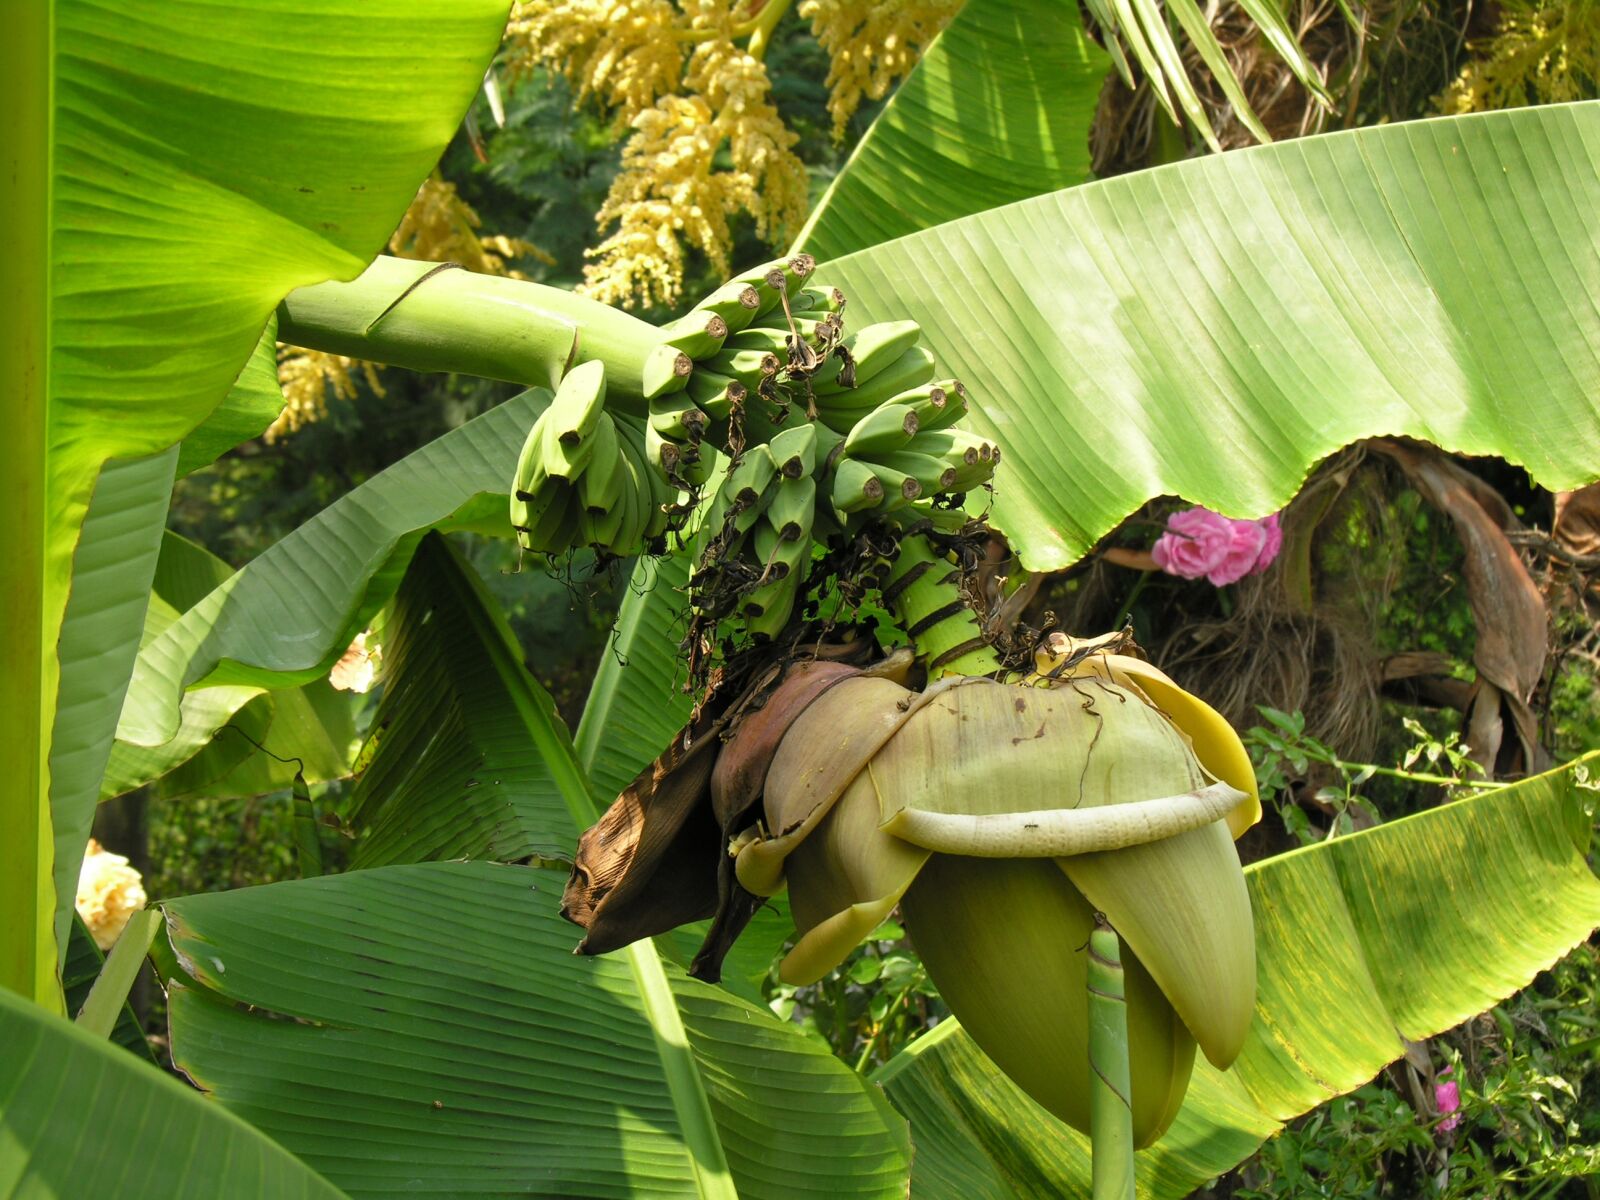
x: 1102, y: 334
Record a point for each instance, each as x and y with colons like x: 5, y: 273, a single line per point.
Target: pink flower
x: 1199, y: 543
x: 1194, y: 544
x: 1447, y: 1099
x: 1274, y: 543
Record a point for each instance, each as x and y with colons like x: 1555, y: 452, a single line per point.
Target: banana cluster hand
x: 584, y: 476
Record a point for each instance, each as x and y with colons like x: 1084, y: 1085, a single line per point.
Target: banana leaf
x: 997, y: 109
x: 285, y: 618
x: 1401, y: 931
x: 1214, y: 328
x: 270, y: 737
x: 467, y: 757
x: 82, y: 1117
x: 171, y: 180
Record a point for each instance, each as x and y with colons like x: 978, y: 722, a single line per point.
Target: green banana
x: 767, y: 609
x: 677, y: 418
x: 888, y: 427
x: 699, y: 335
x: 958, y: 447
x: 899, y: 489
x: 932, y: 474
x: 736, y: 303
x: 840, y: 410
x: 602, y: 482
x: 567, y: 425
x: 792, y: 508
x: 666, y: 369
x: 795, y: 450
x: 868, y: 353
x: 936, y: 415
x: 716, y: 395
x: 855, y: 488
x: 749, y: 367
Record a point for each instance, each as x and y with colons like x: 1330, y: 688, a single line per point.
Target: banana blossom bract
x: 1001, y: 818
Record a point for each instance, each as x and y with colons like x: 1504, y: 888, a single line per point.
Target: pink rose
x: 1246, y: 541
x: 1447, y: 1099
x: 1199, y: 543
x: 1274, y: 543
x: 1194, y: 544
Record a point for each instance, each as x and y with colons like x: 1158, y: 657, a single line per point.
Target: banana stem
x: 1110, y: 1079
x: 924, y: 589
x: 766, y: 21
x: 432, y: 317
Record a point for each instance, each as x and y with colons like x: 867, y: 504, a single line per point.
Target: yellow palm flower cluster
x: 438, y: 227
x: 704, y: 140
x: 1542, y: 53
x: 671, y: 191
x: 623, y: 54
x: 871, y: 45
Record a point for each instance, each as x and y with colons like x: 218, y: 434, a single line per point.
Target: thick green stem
x: 1110, y: 1079
x: 924, y: 589
x: 766, y: 21
x: 431, y: 318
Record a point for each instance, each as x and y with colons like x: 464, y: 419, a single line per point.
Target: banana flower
x: 1001, y: 818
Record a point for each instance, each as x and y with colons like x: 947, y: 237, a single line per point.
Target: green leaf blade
x: 1432, y: 279
x: 1418, y: 925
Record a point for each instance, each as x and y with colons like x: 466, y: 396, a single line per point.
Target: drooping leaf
x: 287, y: 616
x: 468, y: 756
x: 82, y: 1117
x: 172, y: 177
x: 1403, y: 930
x: 997, y: 109
x: 1214, y: 328
x: 444, y: 1038
x: 111, y: 568
x: 232, y: 741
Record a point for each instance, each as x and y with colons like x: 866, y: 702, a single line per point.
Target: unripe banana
x: 954, y: 408
x: 749, y: 367
x: 736, y: 303
x: 855, y: 487
x: 795, y: 449
x: 958, y: 447
x: 677, y: 418
x: 793, y: 507
x: 767, y: 609
x: 716, y: 395
x: 699, y: 335
x: 932, y: 474
x: 899, y: 489
x: 660, y: 494
x: 780, y: 556
x: 869, y: 353
x: 889, y: 427
x: 602, y: 482
x: 666, y: 369
x: 567, y: 425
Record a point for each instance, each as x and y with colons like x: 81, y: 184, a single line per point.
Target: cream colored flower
x: 109, y: 892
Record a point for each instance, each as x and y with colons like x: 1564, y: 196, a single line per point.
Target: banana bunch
x: 584, y: 477
x: 838, y: 429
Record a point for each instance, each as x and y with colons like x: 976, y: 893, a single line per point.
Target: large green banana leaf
x: 172, y: 178
x: 445, y: 1034
x: 1400, y: 931
x: 443, y: 1038
x: 307, y: 730
x: 998, y: 109
x: 467, y: 756
x: 1213, y: 328
x: 81, y: 1117
x: 286, y: 617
